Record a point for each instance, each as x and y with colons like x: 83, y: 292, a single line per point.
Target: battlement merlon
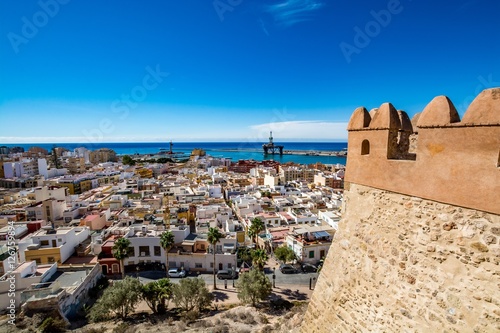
x: 434, y: 156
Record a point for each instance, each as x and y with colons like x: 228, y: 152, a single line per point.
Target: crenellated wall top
x: 440, y: 112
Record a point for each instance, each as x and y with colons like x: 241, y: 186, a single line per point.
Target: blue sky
x: 230, y: 70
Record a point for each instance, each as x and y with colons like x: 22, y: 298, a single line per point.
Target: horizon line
x: 181, y: 141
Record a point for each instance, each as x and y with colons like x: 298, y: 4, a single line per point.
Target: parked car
x: 288, y: 269
x: 176, y: 273
x: 309, y: 268
x: 228, y: 274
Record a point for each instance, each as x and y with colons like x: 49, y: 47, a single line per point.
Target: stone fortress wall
x: 418, y: 248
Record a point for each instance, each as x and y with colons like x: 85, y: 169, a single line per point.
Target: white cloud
x: 290, y: 12
x: 308, y: 129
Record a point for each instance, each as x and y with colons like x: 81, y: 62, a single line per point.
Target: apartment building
x: 50, y: 210
x: 23, y: 276
x: 27, y: 167
x: 78, y: 184
x: 330, y: 180
x: 75, y: 165
x: 49, y: 245
x: 310, y: 243
x: 102, y: 155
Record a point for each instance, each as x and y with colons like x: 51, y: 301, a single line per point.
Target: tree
x: 157, y: 294
x: 167, y: 240
x: 253, y: 287
x: 214, y: 235
x: 256, y: 228
x: 284, y: 254
x: 245, y: 255
x: 120, y: 251
x: 192, y: 294
x: 127, y: 160
x: 121, y: 299
x: 259, y: 258
x: 54, y: 157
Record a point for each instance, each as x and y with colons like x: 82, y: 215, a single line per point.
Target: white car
x: 176, y: 273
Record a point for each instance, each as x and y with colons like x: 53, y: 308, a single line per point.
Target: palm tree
x: 120, y: 251
x: 214, y: 235
x: 244, y: 254
x: 255, y: 229
x: 259, y: 258
x: 167, y: 240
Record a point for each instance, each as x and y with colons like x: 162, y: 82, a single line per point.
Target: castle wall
x: 418, y: 246
x: 447, y: 159
x: 456, y: 165
x: 400, y: 263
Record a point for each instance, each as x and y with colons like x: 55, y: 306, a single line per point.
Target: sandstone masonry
x: 406, y: 259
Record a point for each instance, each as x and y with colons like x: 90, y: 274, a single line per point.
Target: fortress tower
x: 418, y: 246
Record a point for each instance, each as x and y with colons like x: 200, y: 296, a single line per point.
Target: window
x: 311, y: 254
x: 131, y: 251
x: 51, y: 260
x: 211, y: 265
x: 229, y: 266
x: 44, y: 243
x: 144, y: 251
x: 202, y: 247
x: 322, y: 253
x: 157, y: 251
x: 37, y: 260
x: 365, y: 147
x: 198, y: 265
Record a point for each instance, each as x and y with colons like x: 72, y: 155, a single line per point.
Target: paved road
x: 281, y: 279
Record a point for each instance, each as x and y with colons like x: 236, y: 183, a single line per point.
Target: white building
x: 60, y: 242
x: 310, y: 244
x: 44, y: 193
x: 50, y: 210
x: 22, y: 277
x: 271, y: 181
x: 330, y: 217
x: 215, y: 191
x: 42, y: 168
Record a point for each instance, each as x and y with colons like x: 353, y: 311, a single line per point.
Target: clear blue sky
x: 226, y: 70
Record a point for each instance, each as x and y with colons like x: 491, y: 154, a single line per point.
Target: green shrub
x: 123, y: 328
x: 190, y: 316
x: 51, y: 325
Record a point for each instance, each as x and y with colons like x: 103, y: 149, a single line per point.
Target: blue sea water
x: 234, y: 150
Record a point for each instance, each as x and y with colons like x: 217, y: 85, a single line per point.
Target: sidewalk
x: 225, y: 297
x: 289, y: 292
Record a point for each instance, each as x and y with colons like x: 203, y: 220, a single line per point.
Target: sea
x: 233, y: 150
